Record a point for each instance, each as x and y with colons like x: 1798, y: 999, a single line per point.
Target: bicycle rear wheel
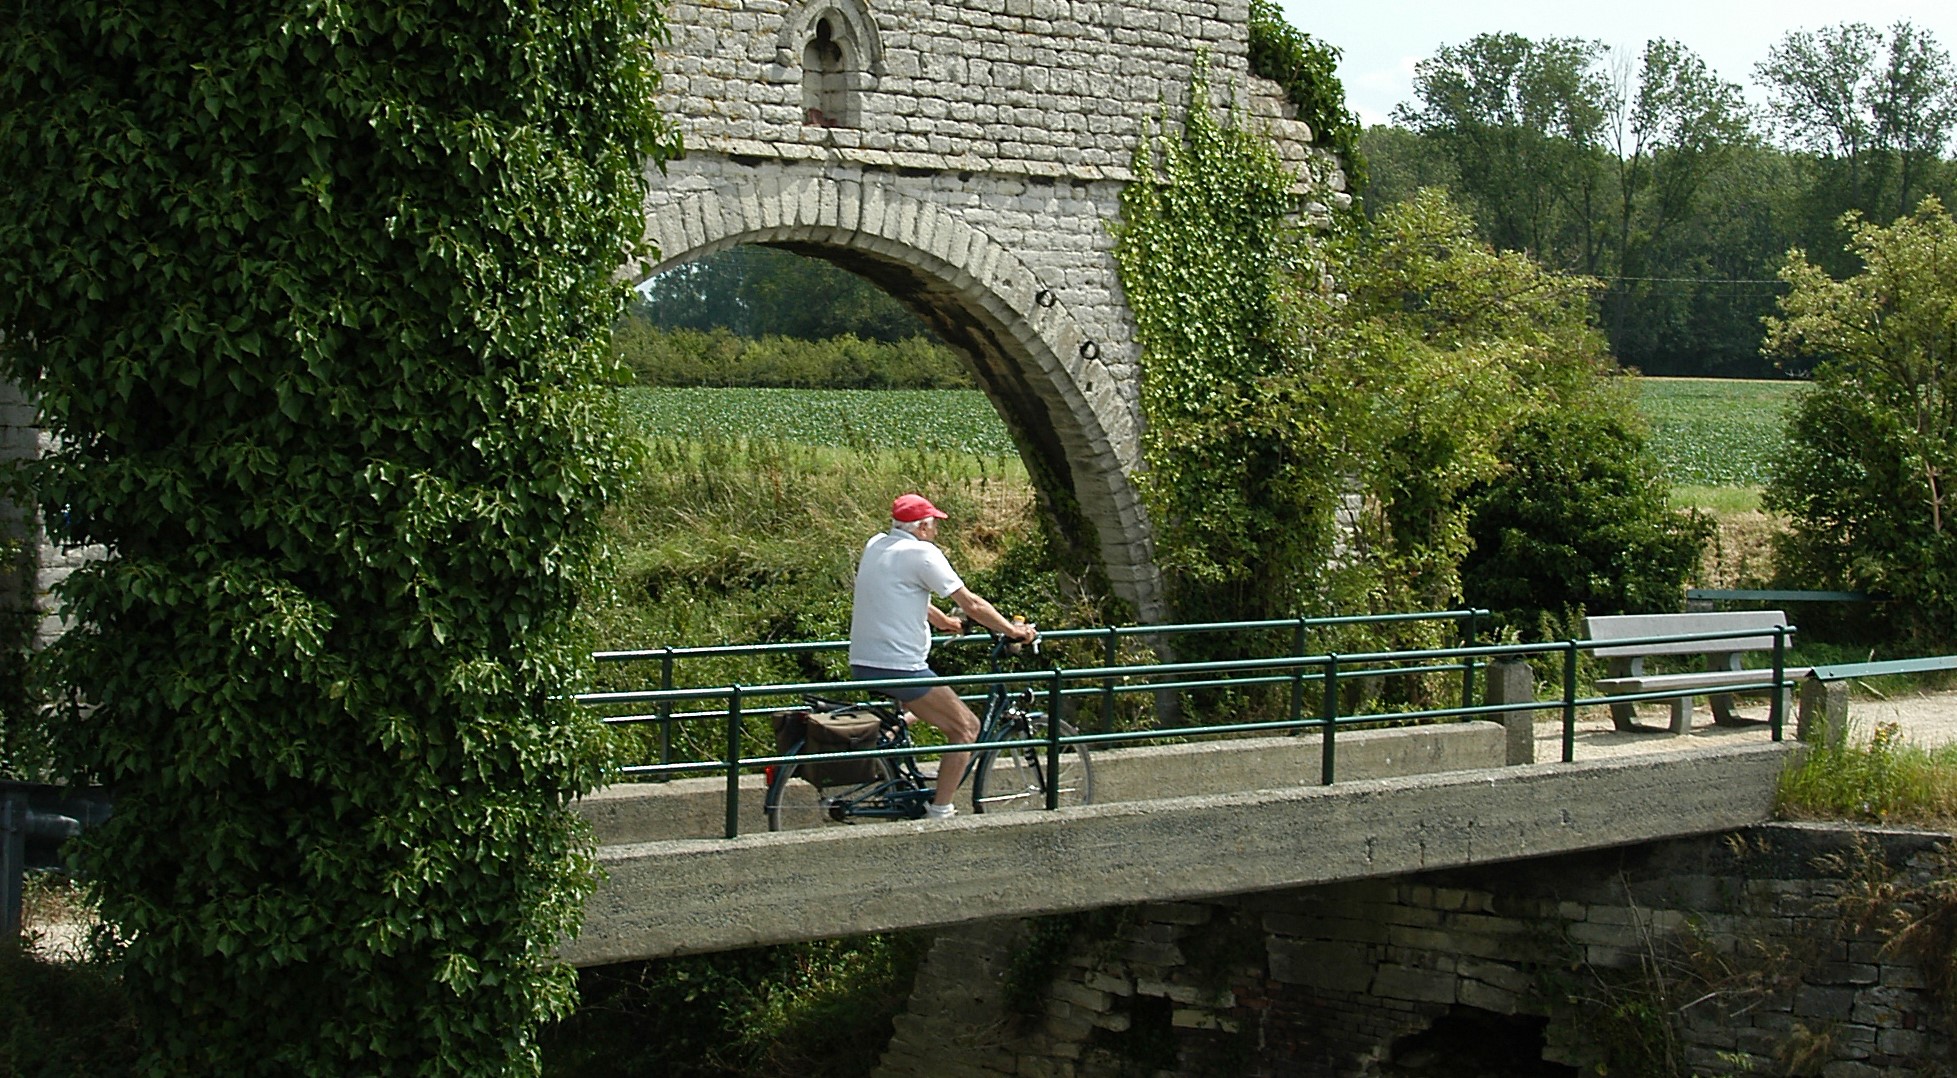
x: 794, y: 803
x: 1015, y: 780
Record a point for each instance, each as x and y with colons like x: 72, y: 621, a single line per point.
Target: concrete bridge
x: 1172, y: 823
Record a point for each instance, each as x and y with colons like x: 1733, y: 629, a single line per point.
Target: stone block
x: 1080, y: 996
x: 1844, y: 973
x: 1488, y: 997
x: 1825, y: 1004
x: 1850, y: 1068
x: 1194, y: 1018
x: 1416, y: 985
x: 1344, y: 967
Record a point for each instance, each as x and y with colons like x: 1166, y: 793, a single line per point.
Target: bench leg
x: 1682, y: 715
x: 1624, y: 716
x: 1722, y: 711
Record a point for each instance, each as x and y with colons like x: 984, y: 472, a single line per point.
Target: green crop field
x: 950, y: 420
x: 1715, y: 432
x: 1707, y: 432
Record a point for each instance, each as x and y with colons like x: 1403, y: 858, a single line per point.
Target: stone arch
x: 1043, y: 373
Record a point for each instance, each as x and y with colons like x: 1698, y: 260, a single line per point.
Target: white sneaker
x: 940, y: 812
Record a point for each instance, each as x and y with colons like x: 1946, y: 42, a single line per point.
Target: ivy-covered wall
x: 314, y: 299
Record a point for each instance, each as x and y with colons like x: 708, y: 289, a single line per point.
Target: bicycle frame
x: 903, y: 791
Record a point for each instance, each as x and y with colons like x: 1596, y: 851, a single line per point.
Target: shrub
x: 1866, y: 480
x: 316, y: 300
x: 691, y: 357
x: 1579, y: 518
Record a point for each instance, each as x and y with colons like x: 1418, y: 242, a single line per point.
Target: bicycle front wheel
x: 794, y: 803
x: 1016, y: 780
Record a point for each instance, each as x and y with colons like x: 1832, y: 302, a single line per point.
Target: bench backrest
x: 1632, y: 626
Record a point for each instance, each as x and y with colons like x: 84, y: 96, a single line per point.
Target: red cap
x: 909, y: 507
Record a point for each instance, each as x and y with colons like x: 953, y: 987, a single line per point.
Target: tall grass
x: 752, y: 540
x: 1883, y: 780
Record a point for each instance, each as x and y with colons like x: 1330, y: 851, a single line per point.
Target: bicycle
x: 896, y: 788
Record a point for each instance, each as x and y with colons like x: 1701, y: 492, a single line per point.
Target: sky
x: 1383, y: 39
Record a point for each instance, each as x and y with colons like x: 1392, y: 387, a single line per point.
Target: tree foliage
x: 1309, y: 451
x: 1872, y: 453
x: 687, y: 357
x: 759, y: 292
x: 1878, y: 109
x: 1650, y: 171
x: 315, y: 298
x: 1519, y: 119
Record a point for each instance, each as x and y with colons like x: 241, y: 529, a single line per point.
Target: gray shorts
x: 902, y: 695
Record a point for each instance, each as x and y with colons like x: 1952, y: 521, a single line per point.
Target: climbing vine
x: 1310, y: 447
x: 1307, y: 68
x: 1241, y: 477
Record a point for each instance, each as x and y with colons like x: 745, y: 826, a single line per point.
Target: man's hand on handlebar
x: 1019, y: 634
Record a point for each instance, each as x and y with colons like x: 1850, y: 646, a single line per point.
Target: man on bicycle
x: 890, y: 627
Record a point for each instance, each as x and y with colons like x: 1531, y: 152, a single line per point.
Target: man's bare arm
x: 987, y: 615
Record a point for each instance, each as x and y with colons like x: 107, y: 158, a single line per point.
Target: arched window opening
x: 826, y: 95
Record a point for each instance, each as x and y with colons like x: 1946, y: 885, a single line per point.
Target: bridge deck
x: 694, y: 895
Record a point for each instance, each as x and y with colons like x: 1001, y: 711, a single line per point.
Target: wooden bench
x: 1626, y: 661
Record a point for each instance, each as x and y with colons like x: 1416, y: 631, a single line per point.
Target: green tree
x: 316, y: 299
x: 765, y: 292
x: 1521, y: 121
x: 1866, y: 482
x: 1668, y: 137
x: 1876, y: 110
x: 1579, y: 517
x: 1521, y: 481
x: 1313, y: 451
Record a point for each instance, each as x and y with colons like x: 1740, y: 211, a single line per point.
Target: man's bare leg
x: 942, y: 708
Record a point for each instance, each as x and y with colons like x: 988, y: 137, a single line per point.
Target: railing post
x: 1108, y: 659
x: 1511, y: 681
x: 1468, y: 661
x: 1053, y: 742
x: 1331, y: 717
x: 1298, y: 672
x: 1777, y: 710
x: 1569, y: 702
x: 734, y: 762
x: 666, y: 707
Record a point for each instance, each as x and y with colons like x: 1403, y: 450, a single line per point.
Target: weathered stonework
x: 1498, y: 970
x: 968, y: 157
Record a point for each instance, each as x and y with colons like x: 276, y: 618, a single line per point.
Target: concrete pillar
x: 1823, y: 716
x: 1515, y: 683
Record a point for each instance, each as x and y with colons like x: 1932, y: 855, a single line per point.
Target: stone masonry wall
x: 1504, y: 970
x: 30, y: 565
x: 1053, y: 88
x: 968, y: 157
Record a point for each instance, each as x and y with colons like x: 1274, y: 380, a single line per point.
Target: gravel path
x: 1929, y: 720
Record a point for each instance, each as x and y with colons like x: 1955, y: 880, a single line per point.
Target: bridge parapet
x: 696, y: 808
x: 663, y: 898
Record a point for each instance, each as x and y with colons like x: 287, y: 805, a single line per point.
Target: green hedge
x: 691, y: 357
x: 317, y: 298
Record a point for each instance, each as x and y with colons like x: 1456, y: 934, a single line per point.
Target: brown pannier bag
x: 843, y: 730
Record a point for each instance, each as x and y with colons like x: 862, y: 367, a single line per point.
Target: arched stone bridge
x: 968, y: 157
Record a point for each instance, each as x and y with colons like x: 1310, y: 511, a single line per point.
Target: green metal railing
x: 739, y: 703
x: 670, y: 660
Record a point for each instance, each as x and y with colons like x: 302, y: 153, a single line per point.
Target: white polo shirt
x: 895, y: 580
